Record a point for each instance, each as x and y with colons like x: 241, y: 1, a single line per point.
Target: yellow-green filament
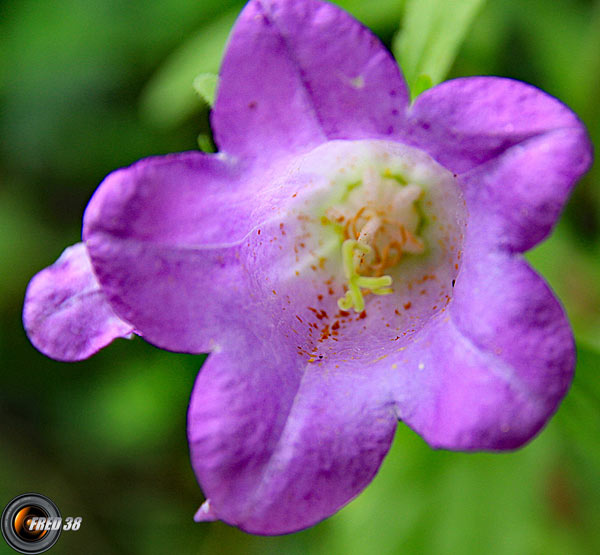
x: 377, y: 285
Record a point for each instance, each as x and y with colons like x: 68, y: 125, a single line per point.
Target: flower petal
x: 163, y: 236
x: 492, y: 373
x: 465, y: 122
x: 277, y: 445
x: 297, y: 73
x: 516, y: 199
x: 66, y: 315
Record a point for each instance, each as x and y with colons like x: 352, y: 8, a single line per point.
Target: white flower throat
x: 375, y: 221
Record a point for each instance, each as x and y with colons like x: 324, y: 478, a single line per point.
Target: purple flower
x: 349, y: 260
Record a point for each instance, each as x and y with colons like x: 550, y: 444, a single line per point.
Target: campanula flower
x: 347, y: 258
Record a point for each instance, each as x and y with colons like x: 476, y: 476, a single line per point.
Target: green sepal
x: 205, y: 85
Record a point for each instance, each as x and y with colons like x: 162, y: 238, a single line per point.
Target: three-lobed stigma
x: 377, y: 285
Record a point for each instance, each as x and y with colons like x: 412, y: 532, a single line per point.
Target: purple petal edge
x: 279, y: 450
x: 489, y: 375
x: 163, y: 236
x: 468, y: 121
x: 293, y: 71
x: 65, y: 315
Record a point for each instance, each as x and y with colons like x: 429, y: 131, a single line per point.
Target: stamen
x: 377, y: 285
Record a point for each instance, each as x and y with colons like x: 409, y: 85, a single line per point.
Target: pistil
x: 377, y: 285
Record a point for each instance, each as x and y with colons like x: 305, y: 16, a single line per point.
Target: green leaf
x: 422, y: 83
x: 205, y: 143
x: 375, y: 15
x: 430, y: 37
x: 205, y: 85
x: 169, y: 97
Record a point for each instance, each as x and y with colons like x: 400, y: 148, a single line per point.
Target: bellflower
x: 348, y: 259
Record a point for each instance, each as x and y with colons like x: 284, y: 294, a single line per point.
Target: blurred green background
x: 87, y: 86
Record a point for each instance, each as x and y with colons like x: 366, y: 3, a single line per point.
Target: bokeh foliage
x: 87, y: 86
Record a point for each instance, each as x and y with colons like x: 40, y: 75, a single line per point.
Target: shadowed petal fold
x: 66, y: 315
x: 298, y: 73
x: 278, y: 445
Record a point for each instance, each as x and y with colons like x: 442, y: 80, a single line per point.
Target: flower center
x: 374, y: 227
x: 379, y: 223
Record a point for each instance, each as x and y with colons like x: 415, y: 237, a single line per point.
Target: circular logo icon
x: 31, y: 523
